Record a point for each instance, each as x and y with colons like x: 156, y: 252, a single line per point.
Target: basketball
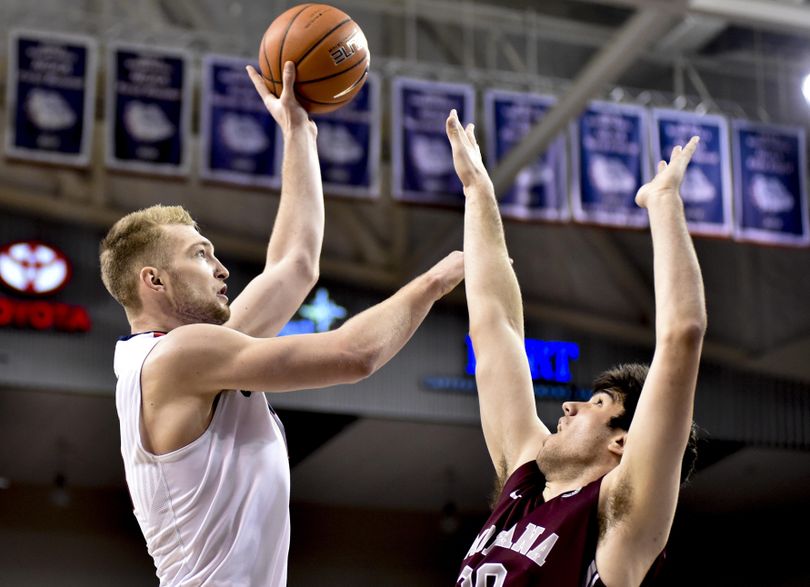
x: 329, y: 50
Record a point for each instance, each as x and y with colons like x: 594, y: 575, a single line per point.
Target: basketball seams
x: 281, y: 45
x: 341, y: 72
x: 324, y: 30
x: 301, y: 98
x: 350, y: 91
x: 360, y: 81
x: 325, y: 36
x: 270, y: 69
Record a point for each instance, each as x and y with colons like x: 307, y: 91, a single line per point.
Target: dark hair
x: 625, y: 383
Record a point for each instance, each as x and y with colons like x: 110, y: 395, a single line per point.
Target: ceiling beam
x: 235, y: 245
x: 630, y: 42
x: 765, y: 14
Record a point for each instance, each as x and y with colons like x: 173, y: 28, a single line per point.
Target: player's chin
x: 220, y: 314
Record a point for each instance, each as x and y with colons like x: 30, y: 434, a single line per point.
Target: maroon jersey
x: 530, y: 542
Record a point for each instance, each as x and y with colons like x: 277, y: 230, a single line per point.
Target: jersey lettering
x: 504, y: 539
x: 528, y: 537
x: 480, y: 541
x: 483, y: 574
x: 539, y: 554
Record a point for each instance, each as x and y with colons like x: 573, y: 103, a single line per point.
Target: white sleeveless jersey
x: 215, y: 512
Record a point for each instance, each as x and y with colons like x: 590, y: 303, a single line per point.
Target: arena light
x: 806, y: 87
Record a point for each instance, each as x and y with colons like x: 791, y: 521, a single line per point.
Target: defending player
x: 593, y: 502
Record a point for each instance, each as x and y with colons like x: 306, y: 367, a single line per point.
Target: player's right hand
x: 285, y: 109
x: 667, y: 180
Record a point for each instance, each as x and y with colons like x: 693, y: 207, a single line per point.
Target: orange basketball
x: 329, y: 50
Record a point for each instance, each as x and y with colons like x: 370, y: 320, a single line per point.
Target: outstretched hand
x: 285, y: 109
x: 668, y: 177
x: 466, y: 152
x: 448, y: 272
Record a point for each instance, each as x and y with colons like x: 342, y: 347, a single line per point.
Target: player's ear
x: 617, y: 442
x: 151, y: 278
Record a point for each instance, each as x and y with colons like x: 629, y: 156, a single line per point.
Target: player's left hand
x: 466, y: 152
x: 285, y: 109
x: 668, y: 178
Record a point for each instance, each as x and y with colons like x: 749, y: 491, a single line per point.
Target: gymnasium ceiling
x: 743, y: 58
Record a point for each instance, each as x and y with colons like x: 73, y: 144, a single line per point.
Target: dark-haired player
x: 591, y: 503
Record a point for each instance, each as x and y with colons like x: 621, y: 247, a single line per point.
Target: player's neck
x: 571, y: 479
x: 148, y: 323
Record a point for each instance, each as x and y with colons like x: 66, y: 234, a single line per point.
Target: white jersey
x: 215, y: 512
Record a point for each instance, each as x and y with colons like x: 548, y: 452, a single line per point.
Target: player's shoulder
x: 195, y: 341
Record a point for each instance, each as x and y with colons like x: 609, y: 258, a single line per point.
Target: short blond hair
x: 137, y: 240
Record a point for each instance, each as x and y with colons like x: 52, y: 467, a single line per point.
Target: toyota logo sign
x: 33, y: 268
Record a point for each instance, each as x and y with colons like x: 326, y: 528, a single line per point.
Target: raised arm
x: 512, y: 430
x: 201, y: 360
x: 291, y: 266
x: 648, y: 476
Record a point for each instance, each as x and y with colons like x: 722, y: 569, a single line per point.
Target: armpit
x: 616, y: 508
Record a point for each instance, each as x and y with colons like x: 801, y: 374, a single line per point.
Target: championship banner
x: 769, y: 183
x: 349, y: 144
x: 421, y: 158
x: 149, y: 109
x: 540, y: 189
x: 50, y: 93
x: 706, y: 187
x: 610, y: 163
x: 238, y: 137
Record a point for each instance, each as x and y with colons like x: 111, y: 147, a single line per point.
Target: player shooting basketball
x: 591, y: 503
x: 206, y: 465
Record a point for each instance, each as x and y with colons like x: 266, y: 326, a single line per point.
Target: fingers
x: 661, y: 166
x: 465, y: 135
x: 453, y: 126
x: 288, y: 79
x: 288, y: 76
x: 258, y: 83
x: 685, y: 154
x: 676, y: 150
x: 470, y: 132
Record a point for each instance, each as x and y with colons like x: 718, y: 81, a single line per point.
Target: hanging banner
x: 769, y: 183
x: 421, y: 157
x: 149, y: 109
x: 349, y: 144
x: 540, y: 189
x: 610, y: 164
x: 706, y: 187
x: 238, y: 136
x: 50, y: 92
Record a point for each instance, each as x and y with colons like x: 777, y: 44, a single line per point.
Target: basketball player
x: 207, y: 465
x: 591, y: 503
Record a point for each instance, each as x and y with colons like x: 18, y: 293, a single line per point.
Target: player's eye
x: 201, y: 253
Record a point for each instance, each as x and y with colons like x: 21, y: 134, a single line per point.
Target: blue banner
x: 610, y: 164
x: 769, y: 183
x: 540, y: 189
x: 349, y: 144
x: 238, y: 137
x: 50, y: 92
x: 149, y: 106
x: 706, y: 187
x: 421, y: 157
